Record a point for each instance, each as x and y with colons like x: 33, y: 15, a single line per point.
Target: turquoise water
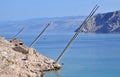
x: 91, y: 55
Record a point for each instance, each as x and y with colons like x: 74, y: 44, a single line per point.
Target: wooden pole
x: 36, y: 39
x: 77, y: 33
x: 18, y: 33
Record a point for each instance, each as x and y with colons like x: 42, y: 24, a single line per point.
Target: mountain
x: 60, y: 25
x: 104, y: 23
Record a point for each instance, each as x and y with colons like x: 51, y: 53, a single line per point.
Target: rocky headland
x: 17, y: 60
x: 104, y: 23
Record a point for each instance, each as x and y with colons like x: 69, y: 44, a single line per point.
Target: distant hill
x: 104, y: 23
x: 60, y: 25
x: 100, y: 23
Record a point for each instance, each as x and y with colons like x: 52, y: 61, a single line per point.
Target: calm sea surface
x: 91, y: 55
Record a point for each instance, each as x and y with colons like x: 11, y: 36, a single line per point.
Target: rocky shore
x: 17, y: 60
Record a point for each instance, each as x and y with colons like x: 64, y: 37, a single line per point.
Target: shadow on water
x: 57, y: 73
x: 51, y: 73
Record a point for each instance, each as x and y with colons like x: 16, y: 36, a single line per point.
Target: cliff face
x: 17, y: 60
x: 104, y: 23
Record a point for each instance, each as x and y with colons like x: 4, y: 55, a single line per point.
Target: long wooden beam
x: 77, y: 33
x: 37, y: 38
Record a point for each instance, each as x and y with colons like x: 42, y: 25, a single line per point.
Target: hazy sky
x: 27, y: 9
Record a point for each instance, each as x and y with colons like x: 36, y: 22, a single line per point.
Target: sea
x: 90, y: 55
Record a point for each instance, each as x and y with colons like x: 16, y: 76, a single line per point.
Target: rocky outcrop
x: 104, y: 23
x: 17, y: 60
